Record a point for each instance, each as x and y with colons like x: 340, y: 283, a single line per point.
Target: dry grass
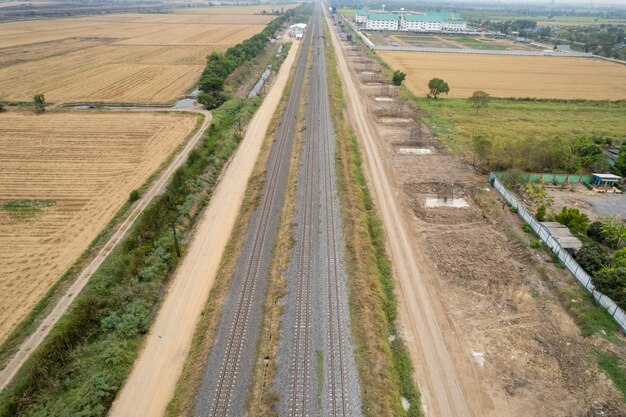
x: 512, y: 76
x: 119, y: 58
x: 86, y: 164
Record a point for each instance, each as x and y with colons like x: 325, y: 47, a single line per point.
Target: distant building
x: 297, y: 30
x: 382, y: 21
x: 411, y: 21
x: 564, y: 48
x: 612, y: 154
x: 605, y: 182
x: 361, y: 16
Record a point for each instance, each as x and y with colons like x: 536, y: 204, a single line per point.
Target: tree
x: 612, y: 283
x: 592, y: 257
x: 576, y: 221
x: 595, y: 232
x: 398, y: 77
x: 481, y: 146
x: 40, y: 103
x: 541, y: 213
x: 437, y: 86
x: 614, y: 231
x: 620, y: 161
x: 479, y: 99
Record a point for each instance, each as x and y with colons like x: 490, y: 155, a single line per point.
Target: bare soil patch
x: 513, y: 341
x: 87, y: 164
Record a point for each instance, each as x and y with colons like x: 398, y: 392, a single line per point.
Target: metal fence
x: 483, y: 51
x: 570, y: 263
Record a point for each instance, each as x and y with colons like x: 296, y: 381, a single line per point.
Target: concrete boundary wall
x: 566, y: 259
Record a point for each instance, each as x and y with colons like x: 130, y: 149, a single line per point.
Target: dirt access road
x: 157, y: 187
x: 151, y: 383
x: 447, y: 391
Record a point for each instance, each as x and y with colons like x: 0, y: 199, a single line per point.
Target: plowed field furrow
x: 87, y: 163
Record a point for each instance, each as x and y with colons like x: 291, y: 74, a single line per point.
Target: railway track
x: 229, y: 368
x: 316, y: 275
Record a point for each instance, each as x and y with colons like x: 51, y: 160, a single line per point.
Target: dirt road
x: 151, y: 383
x: 444, y: 392
x: 34, y: 340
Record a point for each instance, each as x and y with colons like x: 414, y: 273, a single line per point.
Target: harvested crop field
x: 63, y: 176
x: 131, y: 58
x: 512, y: 76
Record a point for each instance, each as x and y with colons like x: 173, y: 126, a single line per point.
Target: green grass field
x: 496, y: 16
x: 347, y: 12
x: 509, y: 124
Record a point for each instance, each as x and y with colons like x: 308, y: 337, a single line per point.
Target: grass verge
x: 383, y: 361
x: 613, y: 366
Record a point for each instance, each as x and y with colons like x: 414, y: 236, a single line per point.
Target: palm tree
x: 615, y: 231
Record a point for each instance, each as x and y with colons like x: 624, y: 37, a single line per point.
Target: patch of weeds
x: 536, y: 244
x: 534, y: 293
x: 611, y: 364
x: 589, y: 317
x: 320, y: 376
x: 26, y: 209
x: 513, y: 209
x: 527, y: 229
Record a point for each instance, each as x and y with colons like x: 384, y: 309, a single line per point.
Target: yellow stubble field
x: 512, y: 76
x: 76, y: 169
x: 130, y: 58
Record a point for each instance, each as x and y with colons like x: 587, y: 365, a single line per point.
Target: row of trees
x: 221, y: 64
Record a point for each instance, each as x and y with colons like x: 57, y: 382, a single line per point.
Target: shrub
x: 535, y: 244
x: 612, y: 283
x: 592, y: 257
x: 576, y: 221
x: 398, y: 77
x: 527, y: 228
x: 541, y: 213
x: 595, y: 232
x: 134, y: 196
x: 614, y: 231
x: 620, y: 258
x: 513, y: 209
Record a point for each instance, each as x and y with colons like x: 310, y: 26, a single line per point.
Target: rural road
x: 438, y: 380
x: 158, y: 186
x: 153, y: 379
x: 316, y: 372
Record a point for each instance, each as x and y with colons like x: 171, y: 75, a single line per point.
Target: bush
x: 576, y: 221
x: 1, y: 107
x: 536, y: 244
x: 134, y: 196
x: 620, y: 258
x: 398, y: 77
x: 513, y: 209
x: 595, y: 232
x: 541, y: 213
x: 526, y: 228
x: 612, y: 283
x: 592, y: 257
